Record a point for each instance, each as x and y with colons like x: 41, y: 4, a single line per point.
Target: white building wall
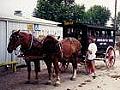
x: 2, y: 41
x: 50, y: 30
x: 8, y: 25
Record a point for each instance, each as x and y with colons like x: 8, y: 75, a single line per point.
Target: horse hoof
x: 49, y: 82
x: 93, y: 77
x: 73, y: 79
x: 57, y: 83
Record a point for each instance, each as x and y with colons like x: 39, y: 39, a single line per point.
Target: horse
x: 31, y: 49
x: 70, y: 51
x: 58, y: 51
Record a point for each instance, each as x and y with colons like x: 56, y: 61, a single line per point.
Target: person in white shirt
x: 91, y: 55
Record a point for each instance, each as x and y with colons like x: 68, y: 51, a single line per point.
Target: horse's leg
x: 28, y: 69
x: 49, y: 66
x: 74, y: 64
x: 56, y: 67
x: 37, y: 69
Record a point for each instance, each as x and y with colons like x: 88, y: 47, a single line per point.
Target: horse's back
x: 70, y: 46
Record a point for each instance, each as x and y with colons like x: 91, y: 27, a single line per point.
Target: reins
x: 59, y: 44
x: 31, y: 43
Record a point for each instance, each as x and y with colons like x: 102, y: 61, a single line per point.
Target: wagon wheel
x: 63, y: 66
x: 85, y: 65
x: 83, y: 62
x: 110, y: 57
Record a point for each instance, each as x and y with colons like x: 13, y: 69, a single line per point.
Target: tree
x: 58, y: 11
x: 69, y: 2
x: 118, y: 20
x: 66, y: 2
x: 55, y: 1
x: 97, y: 15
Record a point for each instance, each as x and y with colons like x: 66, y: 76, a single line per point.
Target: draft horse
x: 30, y: 47
x: 66, y: 50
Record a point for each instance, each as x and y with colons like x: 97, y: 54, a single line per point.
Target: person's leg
x: 89, y: 66
x: 93, y: 69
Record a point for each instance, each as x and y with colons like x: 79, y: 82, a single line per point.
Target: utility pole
x: 115, y: 22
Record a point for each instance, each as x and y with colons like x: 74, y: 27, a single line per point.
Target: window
x: 103, y: 33
x: 112, y: 33
x: 97, y: 33
x: 109, y: 33
x: 70, y: 30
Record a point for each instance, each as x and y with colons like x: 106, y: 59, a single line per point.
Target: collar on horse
x: 30, y: 46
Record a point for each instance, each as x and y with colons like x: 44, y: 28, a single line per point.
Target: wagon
x: 105, y: 40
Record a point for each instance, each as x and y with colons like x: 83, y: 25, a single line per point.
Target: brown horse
x: 30, y: 47
x: 55, y: 51
x: 70, y: 48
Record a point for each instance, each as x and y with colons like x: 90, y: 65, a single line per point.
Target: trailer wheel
x: 110, y: 57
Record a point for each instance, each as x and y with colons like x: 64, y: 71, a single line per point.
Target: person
x: 91, y: 55
x: 110, y: 56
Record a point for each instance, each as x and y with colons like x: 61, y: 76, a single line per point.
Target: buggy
x: 105, y: 40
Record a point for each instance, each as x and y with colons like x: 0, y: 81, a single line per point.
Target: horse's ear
x: 17, y: 31
x: 58, y: 37
x: 13, y: 31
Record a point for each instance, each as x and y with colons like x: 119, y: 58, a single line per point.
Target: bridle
x: 25, y: 49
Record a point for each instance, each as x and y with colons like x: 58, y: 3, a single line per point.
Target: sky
x: 7, y: 7
x: 110, y: 4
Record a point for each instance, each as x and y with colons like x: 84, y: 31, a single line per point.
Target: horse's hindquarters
x: 70, y: 47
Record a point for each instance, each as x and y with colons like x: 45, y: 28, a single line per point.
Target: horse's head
x: 50, y: 44
x: 14, y: 41
x: 19, y: 38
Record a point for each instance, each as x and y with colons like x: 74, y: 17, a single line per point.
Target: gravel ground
x: 105, y: 80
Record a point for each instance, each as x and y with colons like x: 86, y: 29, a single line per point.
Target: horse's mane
x: 69, y: 39
x: 50, y: 44
x: 52, y: 38
x: 35, y: 42
x: 24, y: 33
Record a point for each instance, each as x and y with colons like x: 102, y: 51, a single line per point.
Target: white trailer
x: 38, y: 27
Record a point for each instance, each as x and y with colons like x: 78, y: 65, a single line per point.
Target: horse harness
x: 22, y: 49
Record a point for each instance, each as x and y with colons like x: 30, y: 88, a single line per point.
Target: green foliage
x: 118, y: 20
x: 97, y: 15
x: 58, y: 11
x: 55, y: 1
x: 69, y: 2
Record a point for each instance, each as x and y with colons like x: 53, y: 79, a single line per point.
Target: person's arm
x: 90, y: 52
x: 89, y: 49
